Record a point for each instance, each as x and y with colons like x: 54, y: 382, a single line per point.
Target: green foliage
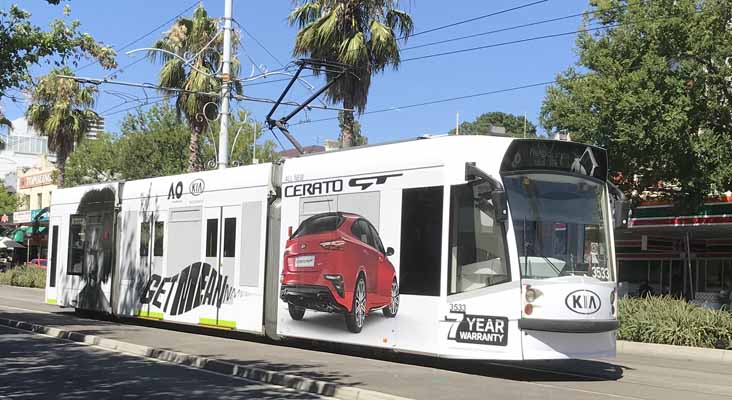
x: 62, y: 110
x: 152, y: 143
x: 666, y: 320
x: 198, y: 36
x: 23, y: 45
x: 361, y: 34
x: 514, y: 125
x: 656, y: 94
x: 93, y: 161
x: 24, y: 276
x: 9, y: 202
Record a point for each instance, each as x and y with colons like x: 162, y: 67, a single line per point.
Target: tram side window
x: 477, y: 256
x: 76, y: 245
x: 144, y: 239
x: 229, y: 237
x: 159, y: 238
x: 54, y: 252
x: 212, y: 236
x: 421, y: 242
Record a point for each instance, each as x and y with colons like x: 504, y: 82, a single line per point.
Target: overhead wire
x: 138, y: 39
x: 510, y: 28
x: 438, y: 101
x: 465, y: 21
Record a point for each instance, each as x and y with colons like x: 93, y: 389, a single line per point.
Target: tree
x: 156, y: 136
x: 514, y: 125
x: 656, y: 94
x: 24, y: 45
x: 61, y: 109
x: 361, y: 34
x: 198, y: 36
x: 358, y: 138
x: 93, y: 161
x: 9, y: 202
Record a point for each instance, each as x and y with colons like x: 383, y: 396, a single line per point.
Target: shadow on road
x: 533, y: 371
x: 34, y: 366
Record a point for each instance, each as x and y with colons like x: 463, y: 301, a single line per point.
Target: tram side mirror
x: 500, y: 205
x: 621, y: 211
x: 389, y: 251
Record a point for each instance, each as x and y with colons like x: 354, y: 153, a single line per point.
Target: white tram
x: 473, y: 247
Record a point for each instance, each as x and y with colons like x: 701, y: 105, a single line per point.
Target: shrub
x: 24, y: 276
x: 666, y: 320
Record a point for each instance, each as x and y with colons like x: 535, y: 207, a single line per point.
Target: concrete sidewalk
x: 368, y: 373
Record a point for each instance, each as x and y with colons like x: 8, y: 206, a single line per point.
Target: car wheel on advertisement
x: 355, y: 318
x: 390, y: 311
x: 296, y: 312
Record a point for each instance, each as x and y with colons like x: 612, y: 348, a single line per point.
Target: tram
x: 474, y: 247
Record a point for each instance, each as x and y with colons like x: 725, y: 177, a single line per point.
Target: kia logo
x: 197, y: 187
x: 583, y: 302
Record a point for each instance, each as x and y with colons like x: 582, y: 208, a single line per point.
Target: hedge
x: 24, y: 276
x: 666, y: 320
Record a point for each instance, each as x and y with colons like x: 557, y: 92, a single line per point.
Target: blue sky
x: 119, y: 22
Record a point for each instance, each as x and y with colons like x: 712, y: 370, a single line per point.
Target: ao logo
x: 583, y: 302
x: 197, y: 187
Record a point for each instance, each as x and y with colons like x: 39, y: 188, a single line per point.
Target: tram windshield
x: 560, y: 225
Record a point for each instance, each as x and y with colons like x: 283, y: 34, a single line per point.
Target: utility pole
x: 225, y: 88
x: 524, y: 125
x: 457, y: 123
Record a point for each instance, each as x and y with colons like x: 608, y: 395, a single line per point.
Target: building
x: 23, y: 148
x: 683, y: 255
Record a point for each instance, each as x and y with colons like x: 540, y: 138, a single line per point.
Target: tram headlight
x: 531, y: 294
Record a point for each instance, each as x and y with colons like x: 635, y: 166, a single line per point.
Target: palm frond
x: 173, y: 74
x: 305, y: 14
x: 400, y: 21
x: 383, y: 46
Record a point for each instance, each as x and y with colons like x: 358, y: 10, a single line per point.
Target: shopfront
x: 689, y: 256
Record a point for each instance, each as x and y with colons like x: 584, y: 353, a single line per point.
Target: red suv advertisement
x: 335, y: 262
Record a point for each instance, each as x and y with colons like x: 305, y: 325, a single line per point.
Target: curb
x: 675, y: 352
x: 222, y: 367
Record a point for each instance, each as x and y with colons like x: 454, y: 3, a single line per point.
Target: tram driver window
x: 421, y: 242
x: 76, y: 245
x: 477, y: 251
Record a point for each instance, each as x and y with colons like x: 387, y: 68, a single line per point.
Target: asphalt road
x: 34, y: 366
x: 624, y: 377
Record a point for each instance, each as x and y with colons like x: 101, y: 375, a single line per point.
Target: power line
x: 446, y: 53
x: 147, y: 103
x: 445, y: 100
x: 261, y: 45
x: 510, y: 28
x: 465, y: 21
x: 146, y: 34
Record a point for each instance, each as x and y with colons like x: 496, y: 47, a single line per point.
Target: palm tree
x: 198, y: 40
x: 61, y: 109
x: 358, y: 33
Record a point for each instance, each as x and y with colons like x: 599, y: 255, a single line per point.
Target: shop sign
x: 34, y: 213
x: 21, y: 217
x: 30, y: 181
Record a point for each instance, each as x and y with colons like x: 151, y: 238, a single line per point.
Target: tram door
x: 152, y: 241
x: 220, y: 243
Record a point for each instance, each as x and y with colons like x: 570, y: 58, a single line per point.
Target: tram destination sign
x: 536, y: 154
